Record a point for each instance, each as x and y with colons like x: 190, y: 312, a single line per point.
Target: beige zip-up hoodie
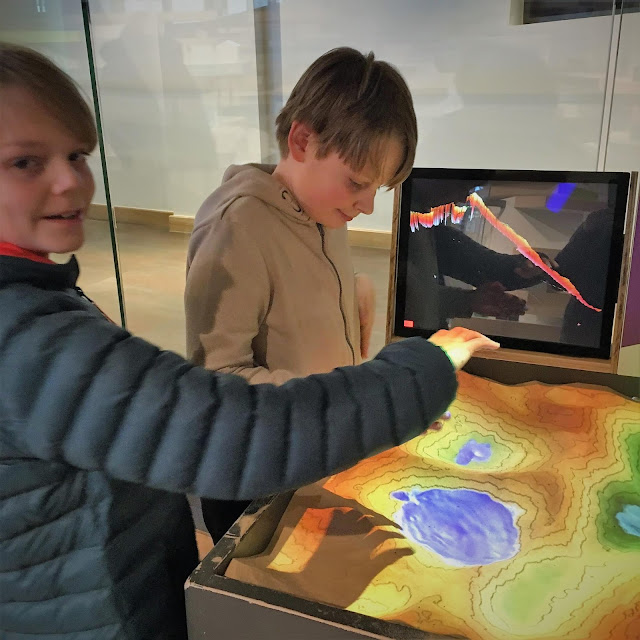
x: 270, y: 294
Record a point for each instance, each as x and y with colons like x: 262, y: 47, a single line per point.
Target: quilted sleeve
x: 75, y: 388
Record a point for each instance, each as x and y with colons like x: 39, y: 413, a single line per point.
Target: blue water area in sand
x: 464, y: 527
x: 473, y: 451
x: 629, y: 519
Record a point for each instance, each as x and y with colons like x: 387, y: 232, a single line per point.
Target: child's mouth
x: 68, y: 216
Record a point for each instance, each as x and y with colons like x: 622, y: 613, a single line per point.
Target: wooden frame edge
x: 391, y: 289
x: 625, y: 268
x: 609, y: 365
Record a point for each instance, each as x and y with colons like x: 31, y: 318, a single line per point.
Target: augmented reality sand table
x: 520, y: 519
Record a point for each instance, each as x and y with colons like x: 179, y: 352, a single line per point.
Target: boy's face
x: 45, y: 184
x: 331, y: 193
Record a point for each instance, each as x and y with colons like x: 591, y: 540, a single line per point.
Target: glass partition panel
x: 623, y: 149
x: 489, y: 91
x: 179, y: 95
x: 55, y: 29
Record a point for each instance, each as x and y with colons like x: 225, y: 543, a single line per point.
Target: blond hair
x: 354, y: 104
x: 51, y: 87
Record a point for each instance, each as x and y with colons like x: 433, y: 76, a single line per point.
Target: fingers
x: 366, y: 297
x: 457, y: 331
x: 439, y: 423
x: 481, y: 343
x: 460, y: 344
x: 365, y: 339
x: 461, y: 335
x: 366, y: 328
x: 466, y: 335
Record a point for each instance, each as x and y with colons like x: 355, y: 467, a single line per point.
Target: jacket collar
x: 10, y: 249
x: 18, y: 270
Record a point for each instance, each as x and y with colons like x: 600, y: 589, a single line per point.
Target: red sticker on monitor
x: 408, y: 323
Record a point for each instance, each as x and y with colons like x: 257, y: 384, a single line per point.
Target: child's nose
x: 365, y: 203
x: 65, y: 176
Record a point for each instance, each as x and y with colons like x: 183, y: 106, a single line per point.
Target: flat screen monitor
x: 529, y: 258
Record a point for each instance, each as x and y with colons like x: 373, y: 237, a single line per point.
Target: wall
x: 179, y: 100
x: 179, y: 88
x: 623, y: 150
x: 487, y: 93
x: 180, y: 94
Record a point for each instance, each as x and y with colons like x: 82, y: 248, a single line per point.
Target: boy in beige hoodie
x: 271, y: 292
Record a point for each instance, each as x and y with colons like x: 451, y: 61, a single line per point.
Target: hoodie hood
x: 254, y: 180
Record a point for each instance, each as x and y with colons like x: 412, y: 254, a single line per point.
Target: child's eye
x: 78, y: 156
x: 354, y: 184
x: 27, y: 163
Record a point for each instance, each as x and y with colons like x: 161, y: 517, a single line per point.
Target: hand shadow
x: 317, y: 497
x: 349, y: 556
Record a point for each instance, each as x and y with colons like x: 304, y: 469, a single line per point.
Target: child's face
x: 332, y: 194
x: 45, y: 184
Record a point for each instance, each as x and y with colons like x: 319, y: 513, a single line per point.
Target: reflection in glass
x: 56, y: 30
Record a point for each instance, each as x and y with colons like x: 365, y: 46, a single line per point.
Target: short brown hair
x: 352, y: 102
x: 52, y: 87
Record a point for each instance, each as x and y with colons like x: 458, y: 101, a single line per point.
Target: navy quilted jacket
x: 102, y: 434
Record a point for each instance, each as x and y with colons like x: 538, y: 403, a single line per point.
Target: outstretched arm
x: 77, y: 389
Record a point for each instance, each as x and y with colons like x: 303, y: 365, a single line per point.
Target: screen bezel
x: 620, y: 180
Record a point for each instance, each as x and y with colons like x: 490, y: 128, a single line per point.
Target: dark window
x: 547, y: 10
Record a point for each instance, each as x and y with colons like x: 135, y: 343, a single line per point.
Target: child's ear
x: 299, y: 137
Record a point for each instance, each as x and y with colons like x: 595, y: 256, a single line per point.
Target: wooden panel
x: 204, y: 542
x: 618, y: 322
x: 370, y: 238
x: 160, y: 219
x: 395, y: 222
x: 97, y: 212
x: 181, y: 224
x: 549, y: 360
x: 155, y: 218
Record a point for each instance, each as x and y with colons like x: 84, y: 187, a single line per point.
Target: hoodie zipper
x: 335, y: 270
x: 84, y: 296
